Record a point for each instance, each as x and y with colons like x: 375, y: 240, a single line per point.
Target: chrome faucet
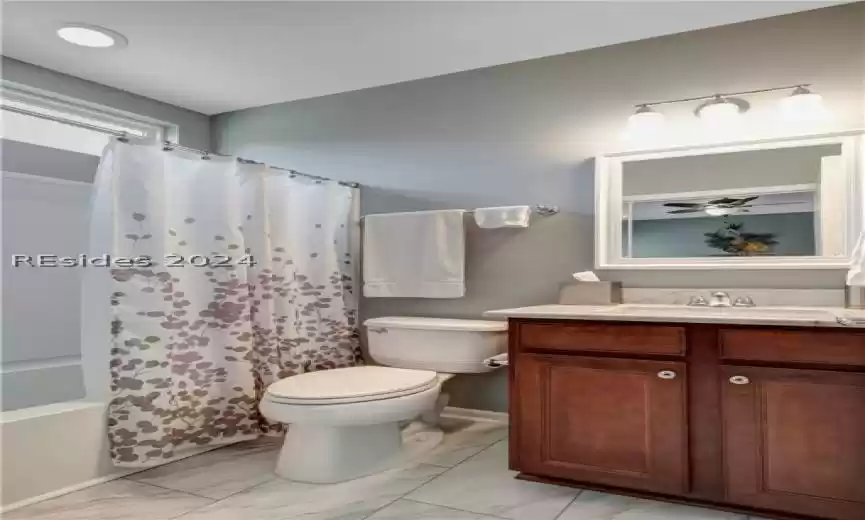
x: 698, y: 301
x: 720, y: 299
x: 744, y: 301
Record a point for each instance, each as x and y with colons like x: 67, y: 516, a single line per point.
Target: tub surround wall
x: 526, y: 133
x: 46, y: 200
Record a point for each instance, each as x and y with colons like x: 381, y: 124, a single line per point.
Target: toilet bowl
x: 345, y: 423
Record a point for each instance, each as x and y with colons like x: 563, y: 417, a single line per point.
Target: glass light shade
x: 91, y: 36
x: 803, y: 105
x: 720, y: 113
x: 645, y: 122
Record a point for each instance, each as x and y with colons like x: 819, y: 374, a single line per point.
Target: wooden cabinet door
x: 794, y: 440
x: 616, y: 422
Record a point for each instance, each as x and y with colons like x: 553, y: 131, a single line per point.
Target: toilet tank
x: 443, y: 345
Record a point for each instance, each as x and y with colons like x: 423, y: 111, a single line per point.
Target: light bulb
x: 720, y: 113
x: 718, y: 212
x: 91, y: 36
x: 802, y: 105
x: 645, y: 122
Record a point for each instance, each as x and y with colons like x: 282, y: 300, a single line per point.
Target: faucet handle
x: 744, y: 301
x: 698, y: 301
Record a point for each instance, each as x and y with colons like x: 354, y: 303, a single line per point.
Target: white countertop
x: 778, y: 316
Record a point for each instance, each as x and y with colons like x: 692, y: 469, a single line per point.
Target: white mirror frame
x: 608, y: 205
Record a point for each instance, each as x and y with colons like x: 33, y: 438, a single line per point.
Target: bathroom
x: 445, y: 127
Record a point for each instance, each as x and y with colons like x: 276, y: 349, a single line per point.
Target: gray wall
x: 685, y: 237
x: 525, y: 133
x: 194, y: 127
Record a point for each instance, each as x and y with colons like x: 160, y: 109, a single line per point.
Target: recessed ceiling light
x: 93, y: 36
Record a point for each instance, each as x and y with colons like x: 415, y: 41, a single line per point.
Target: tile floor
x: 464, y: 478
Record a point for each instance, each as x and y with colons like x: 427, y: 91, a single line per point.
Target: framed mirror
x: 792, y: 203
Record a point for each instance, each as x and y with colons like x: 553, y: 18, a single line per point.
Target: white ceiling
x: 215, y: 57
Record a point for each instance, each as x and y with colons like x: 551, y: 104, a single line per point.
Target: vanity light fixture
x: 645, y: 121
x: 92, y: 36
x: 802, y: 105
x: 723, y: 110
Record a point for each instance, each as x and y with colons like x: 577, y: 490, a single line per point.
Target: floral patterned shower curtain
x: 225, y: 278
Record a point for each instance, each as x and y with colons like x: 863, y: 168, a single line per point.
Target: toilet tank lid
x: 408, y: 322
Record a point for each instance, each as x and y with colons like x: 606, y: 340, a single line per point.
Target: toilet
x: 346, y: 423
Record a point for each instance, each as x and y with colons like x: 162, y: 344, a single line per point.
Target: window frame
x: 70, y: 110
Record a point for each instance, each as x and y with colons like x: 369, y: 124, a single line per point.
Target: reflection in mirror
x: 775, y: 202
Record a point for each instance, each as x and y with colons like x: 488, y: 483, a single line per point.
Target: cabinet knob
x: 667, y: 374
x: 739, y: 380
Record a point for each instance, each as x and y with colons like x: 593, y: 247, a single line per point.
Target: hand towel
x: 856, y: 275
x: 414, y: 255
x: 504, y: 216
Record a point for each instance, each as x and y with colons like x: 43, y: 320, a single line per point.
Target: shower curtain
x: 224, y: 278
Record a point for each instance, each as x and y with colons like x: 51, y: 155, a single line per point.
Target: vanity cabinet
x: 795, y: 440
x: 619, y: 422
x: 765, y: 420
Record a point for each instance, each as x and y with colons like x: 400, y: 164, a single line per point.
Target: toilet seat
x: 350, y: 385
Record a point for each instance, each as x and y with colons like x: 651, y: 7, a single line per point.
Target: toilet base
x: 323, y: 455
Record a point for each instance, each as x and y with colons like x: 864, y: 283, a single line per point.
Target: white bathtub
x: 51, y: 450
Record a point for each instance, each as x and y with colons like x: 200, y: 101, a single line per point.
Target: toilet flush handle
x: 500, y: 360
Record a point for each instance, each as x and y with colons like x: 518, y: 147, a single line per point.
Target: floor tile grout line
x: 428, y: 481
x: 244, y: 490
x: 440, y: 475
x: 481, y: 446
x: 490, y: 515
x: 215, y: 501
x: 569, y: 504
x: 453, y: 467
x: 196, y: 495
x: 273, y: 476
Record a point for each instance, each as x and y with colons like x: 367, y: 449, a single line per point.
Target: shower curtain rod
x: 166, y: 145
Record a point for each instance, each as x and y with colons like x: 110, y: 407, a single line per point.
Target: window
x: 38, y: 117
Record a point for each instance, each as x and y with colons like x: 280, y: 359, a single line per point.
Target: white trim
x: 733, y: 192
x: 42, y: 178
x: 471, y: 413
x: 58, y: 104
x: 736, y: 146
x: 27, y: 365
x: 609, y: 200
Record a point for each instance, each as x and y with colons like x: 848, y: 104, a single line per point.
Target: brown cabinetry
x: 613, y: 421
x: 795, y: 440
x: 755, y: 419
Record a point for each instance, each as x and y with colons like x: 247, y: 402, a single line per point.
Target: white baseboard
x: 471, y: 413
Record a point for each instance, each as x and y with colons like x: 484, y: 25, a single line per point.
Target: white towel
x: 414, y: 255
x: 504, y: 216
x: 856, y: 275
